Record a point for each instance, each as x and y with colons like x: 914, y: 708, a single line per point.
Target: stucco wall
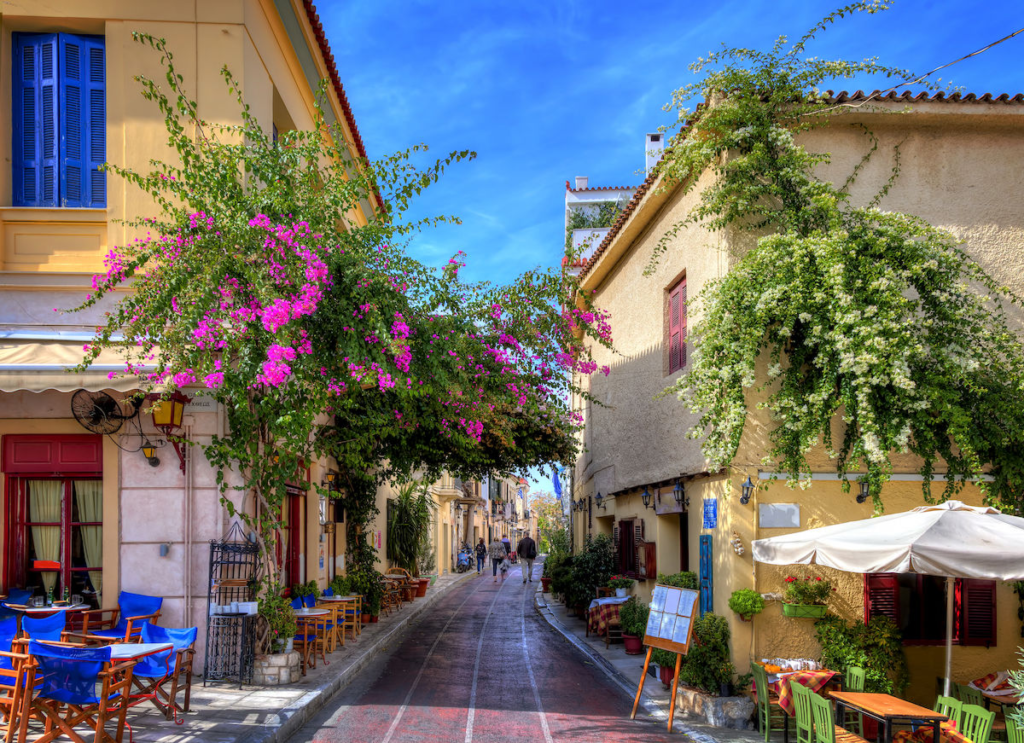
x: 956, y: 173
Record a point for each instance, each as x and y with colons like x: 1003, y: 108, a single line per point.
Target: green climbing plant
x: 879, y: 333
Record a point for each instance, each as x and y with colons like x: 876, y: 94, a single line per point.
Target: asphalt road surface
x: 482, y: 666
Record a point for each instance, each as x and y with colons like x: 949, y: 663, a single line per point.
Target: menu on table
x: 671, y: 618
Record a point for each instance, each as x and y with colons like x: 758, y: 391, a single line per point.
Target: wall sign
x: 778, y: 515
x: 710, y: 513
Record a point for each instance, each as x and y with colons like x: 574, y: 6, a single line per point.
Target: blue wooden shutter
x: 34, y: 110
x: 707, y: 593
x: 83, y: 136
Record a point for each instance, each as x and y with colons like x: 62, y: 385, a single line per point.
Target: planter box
x: 735, y: 713
x: 276, y: 669
x: 804, y: 611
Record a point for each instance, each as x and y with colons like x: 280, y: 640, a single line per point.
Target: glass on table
x: 37, y: 601
x: 76, y: 599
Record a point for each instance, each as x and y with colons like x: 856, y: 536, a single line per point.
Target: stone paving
x: 626, y: 670
x: 221, y: 713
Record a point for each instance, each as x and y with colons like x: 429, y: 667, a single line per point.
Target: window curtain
x: 89, y: 497
x: 44, y: 505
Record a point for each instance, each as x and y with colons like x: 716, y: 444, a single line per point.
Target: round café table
x: 40, y: 611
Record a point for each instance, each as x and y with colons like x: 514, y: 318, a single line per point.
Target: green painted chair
x: 1014, y: 732
x: 969, y: 695
x: 825, y: 730
x: 976, y: 723
x: 951, y: 708
x: 854, y: 680
x: 804, y: 713
x: 768, y: 709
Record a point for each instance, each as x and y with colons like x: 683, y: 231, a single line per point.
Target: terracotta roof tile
x: 597, y: 188
x: 833, y: 97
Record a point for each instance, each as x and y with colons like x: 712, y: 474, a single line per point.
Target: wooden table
x: 887, y: 710
x: 1007, y: 700
x: 136, y: 650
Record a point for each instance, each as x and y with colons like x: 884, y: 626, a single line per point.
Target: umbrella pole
x: 950, y: 587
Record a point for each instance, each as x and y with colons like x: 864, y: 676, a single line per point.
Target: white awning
x: 40, y: 365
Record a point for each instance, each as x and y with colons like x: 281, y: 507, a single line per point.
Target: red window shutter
x: 674, y: 331
x: 682, y: 323
x: 882, y: 596
x: 53, y: 454
x: 978, y: 612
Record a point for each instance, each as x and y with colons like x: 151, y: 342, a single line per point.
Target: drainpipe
x: 187, y: 571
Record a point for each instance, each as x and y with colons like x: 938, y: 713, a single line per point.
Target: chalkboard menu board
x: 670, y: 623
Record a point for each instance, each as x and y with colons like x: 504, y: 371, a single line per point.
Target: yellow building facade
x: 956, y: 174
x: 83, y: 510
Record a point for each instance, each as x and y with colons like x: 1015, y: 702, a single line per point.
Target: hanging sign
x: 710, y: 513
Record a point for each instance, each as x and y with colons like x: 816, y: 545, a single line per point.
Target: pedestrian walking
x: 527, y: 551
x: 497, y: 554
x: 507, y: 545
x: 481, y: 555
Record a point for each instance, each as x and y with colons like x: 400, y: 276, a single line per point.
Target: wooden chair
x: 123, y: 624
x: 153, y: 674
x: 951, y: 708
x: 976, y: 723
x: 969, y: 695
x: 310, y: 640
x: 1014, y: 732
x: 855, y: 679
x: 768, y: 709
x: 333, y: 624
x: 613, y: 632
x: 67, y: 698
x: 348, y: 618
x: 825, y: 729
x: 17, y: 679
x: 804, y: 713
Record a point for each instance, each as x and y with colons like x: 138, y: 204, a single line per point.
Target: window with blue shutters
x: 706, y: 575
x: 59, y: 120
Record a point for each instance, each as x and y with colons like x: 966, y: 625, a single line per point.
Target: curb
x: 628, y: 686
x: 297, y: 714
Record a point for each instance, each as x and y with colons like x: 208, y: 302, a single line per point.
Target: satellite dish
x: 97, y: 411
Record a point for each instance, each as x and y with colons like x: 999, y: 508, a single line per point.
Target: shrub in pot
x: 277, y: 612
x: 707, y: 665
x: 666, y: 661
x: 633, y: 618
x: 746, y: 602
x: 591, y: 567
x: 621, y: 584
x: 685, y: 579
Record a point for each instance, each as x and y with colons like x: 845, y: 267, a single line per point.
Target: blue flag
x: 557, y: 482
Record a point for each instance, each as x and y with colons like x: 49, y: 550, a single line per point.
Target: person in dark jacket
x: 527, y: 551
x: 481, y: 555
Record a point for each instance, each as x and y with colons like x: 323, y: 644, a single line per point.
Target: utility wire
x: 881, y: 93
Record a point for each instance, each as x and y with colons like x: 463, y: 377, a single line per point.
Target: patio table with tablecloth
x: 603, y: 612
x: 925, y: 734
x: 783, y: 686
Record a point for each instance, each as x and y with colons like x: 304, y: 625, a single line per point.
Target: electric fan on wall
x: 98, y: 412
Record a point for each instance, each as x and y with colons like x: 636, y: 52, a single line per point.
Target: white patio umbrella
x: 950, y: 539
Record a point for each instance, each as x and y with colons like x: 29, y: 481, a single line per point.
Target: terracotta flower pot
x: 365, y: 618
x: 545, y: 584
x: 374, y: 618
x: 634, y: 645
x: 666, y: 674
x: 421, y: 591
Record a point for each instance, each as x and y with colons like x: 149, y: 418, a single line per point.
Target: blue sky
x: 545, y: 91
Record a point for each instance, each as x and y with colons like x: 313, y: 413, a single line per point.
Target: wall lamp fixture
x: 748, y: 491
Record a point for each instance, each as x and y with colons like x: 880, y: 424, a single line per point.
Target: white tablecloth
x: 608, y: 600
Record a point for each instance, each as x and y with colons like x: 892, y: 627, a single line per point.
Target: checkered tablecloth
x: 925, y: 734
x: 601, y: 614
x: 813, y: 680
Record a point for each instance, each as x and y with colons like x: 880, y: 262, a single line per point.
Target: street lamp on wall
x: 646, y: 498
x: 599, y: 502
x: 149, y: 452
x: 748, y: 490
x: 167, y: 414
x: 679, y: 494
x: 865, y: 490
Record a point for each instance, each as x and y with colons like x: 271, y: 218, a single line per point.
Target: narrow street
x: 483, y: 666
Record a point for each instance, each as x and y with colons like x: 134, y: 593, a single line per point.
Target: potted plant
x: 666, y: 661
x: 302, y: 590
x: 806, y: 598
x: 410, y: 514
x: 746, y: 602
x: 633, y: 618
x: 707, y: 665
x: 276, y: 611
x: 340, y: 585
x: 622, y: 584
